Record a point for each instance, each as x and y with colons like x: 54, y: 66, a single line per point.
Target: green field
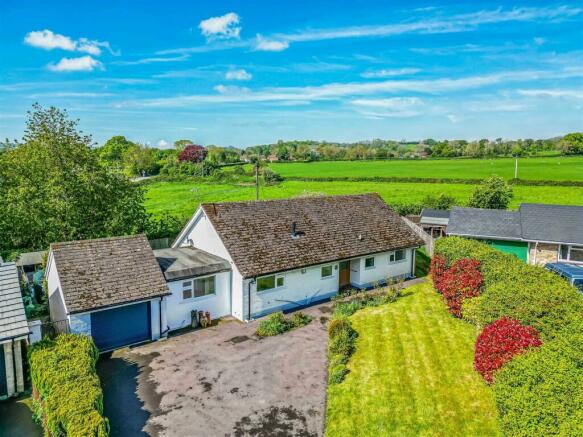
x: 412, y: 374
x: 182, y: 198
x: 551, y: 168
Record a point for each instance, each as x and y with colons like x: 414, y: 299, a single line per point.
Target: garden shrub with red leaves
x: 499, y: 342
x: 437, y: 268
x: 192, y: 153
x: 461, y: 281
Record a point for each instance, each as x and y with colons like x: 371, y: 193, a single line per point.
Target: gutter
x: 253, y: 281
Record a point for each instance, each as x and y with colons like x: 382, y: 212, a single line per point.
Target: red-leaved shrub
x: 462, y: 280
x: 192, y: 153
x: 437, y: 268
x: 499, y: 342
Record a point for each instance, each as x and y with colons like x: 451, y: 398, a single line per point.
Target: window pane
x: 392, y: 257
x: 187, y: 290
x: 577, y: 254
x: 399, y: 255
x: 204, y: 286
x: 279, y: 281
x: 369, y: 262
x: 326, y: 271
x: 564, y: 251
x: 266, y: 283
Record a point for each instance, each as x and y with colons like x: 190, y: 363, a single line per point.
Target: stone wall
x: 543, y: 253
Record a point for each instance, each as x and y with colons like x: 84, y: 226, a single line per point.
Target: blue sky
x: 249, y: 72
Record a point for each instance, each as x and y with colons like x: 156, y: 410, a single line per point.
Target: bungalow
x: 290, y: 253
x: 536, y: 233
x: 241, y: 259
x: 14, y: 332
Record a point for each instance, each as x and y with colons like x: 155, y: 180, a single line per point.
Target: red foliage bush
x: 499, y: 342
x: 192, y: 153
x: 437, y: 268
x: 462, y: 280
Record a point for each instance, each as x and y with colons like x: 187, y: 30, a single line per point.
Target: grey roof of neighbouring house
x: 258, y: 237
x: 12, y: 316
x: 30, y: 258
x: 485, y: 223
x: 434, y: 216
x: 532, y: 222
x: 187, y: 262
x: 107, y: 272
x: 552, y: 223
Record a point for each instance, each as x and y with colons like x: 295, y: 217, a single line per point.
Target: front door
x: 344, y: 275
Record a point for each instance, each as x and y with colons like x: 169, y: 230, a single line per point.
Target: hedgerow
x: 499, y: 342
x: 541, y: 393
x: 70, y: 400
x: 530, y: 294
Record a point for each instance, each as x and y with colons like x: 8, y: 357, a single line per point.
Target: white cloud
x: 223, y: 27
x: 162, y: 144
x: 240, y: 74
x: 453, y: 118
x: 389, y: 108
x: 48, y: 40
x: 553, y: 93
x: 390, y: 72
x: 539, y: 41
x: 231, y: 89
x: 71, y: 94
x: 84, y: 63
x: 154, y: 60
x: 270, y: 45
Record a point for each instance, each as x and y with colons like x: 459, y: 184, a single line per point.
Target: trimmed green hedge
x: 70, y: 397
x: 530, y: 294
x: 540, y: 392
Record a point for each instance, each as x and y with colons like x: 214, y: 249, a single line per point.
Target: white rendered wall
x: 155, y: 318
x: 178, y: 310
x: 57, y: 308
x: 382, y: 270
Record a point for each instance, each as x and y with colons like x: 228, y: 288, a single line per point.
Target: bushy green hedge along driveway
x: 411, y: 374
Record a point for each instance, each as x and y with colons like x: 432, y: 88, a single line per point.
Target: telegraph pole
x: 257, y: 180
x: 516, y: 167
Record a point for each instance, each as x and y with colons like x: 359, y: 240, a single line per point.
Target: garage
x: 121, y: 326
x: 517, y: 248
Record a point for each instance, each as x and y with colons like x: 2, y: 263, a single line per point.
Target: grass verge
x: 411, y: 374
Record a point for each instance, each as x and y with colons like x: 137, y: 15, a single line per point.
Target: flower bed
x: 277, y: 323
x: 68, y: 397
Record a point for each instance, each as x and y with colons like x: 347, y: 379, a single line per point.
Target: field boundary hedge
x: 67, y: 395
x: 413, y: 180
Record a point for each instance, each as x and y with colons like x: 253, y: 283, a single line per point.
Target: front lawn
x: 412, y: 374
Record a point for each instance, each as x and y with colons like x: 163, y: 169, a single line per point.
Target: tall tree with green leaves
x: 492, y: 193
x: 53, y: 188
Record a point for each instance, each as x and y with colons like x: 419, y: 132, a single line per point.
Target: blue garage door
x: 121, y: 326
x: 3, y: 385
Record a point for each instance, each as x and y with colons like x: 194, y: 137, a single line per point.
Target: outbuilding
x: 109, y: 288
x: 14, y: 332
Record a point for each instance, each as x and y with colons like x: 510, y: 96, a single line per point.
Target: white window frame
x: 275, y: 280
x: 569, y: 248
x: 331, y: 271
x: 393, y: 256
x: 373, y: 263
x: 191, y: 282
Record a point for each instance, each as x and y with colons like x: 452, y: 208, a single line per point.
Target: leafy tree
x: 572, y: 143
x: 443, y: 201
x: 192, y: 153
x: 181, y: 144
x: 492, y: 193
x: 140, y: 159
x: 114, y: 149
x: 53, y: 188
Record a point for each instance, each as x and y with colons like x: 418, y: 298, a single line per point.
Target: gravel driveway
x: 221, y: 381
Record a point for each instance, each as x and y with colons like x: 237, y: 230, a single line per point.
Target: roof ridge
x: 288, y: 199
x: 93, y: 240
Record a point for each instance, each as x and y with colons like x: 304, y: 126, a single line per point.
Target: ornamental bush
x: 437, y: 268
x: 277, y: 323
x: 499, y: 342
x: 192, y: 153
x: 461, y: 281
x: 541, y: 393
x: 70, y: 400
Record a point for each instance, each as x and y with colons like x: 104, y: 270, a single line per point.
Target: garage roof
x: 12, y: 316
x: 107, y: 272
x: 187, y: 262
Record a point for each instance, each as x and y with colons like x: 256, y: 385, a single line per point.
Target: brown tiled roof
x: 107, y: 272
x: 257, y: 235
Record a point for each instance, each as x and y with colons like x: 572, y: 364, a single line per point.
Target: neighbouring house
x: 289, y: 253
x: 29, y: 264
x: 434, y: 221
x: 109, y: 288
x: 240, y: 259
x: 14, y: 332
x: 535, y: 233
